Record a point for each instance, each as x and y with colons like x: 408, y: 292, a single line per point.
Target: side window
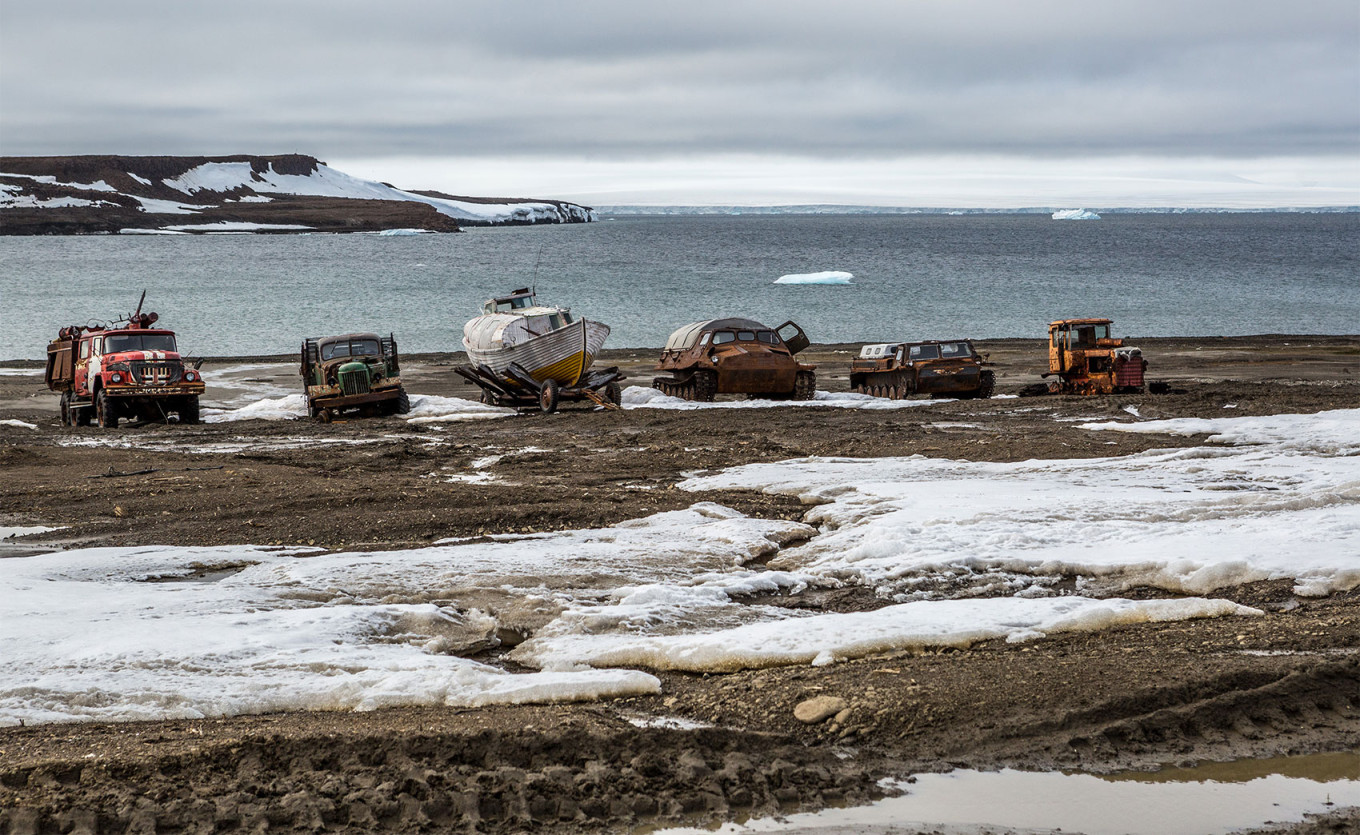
x: 703, y: 340
x: 723, y: 337
x: 84, y: 349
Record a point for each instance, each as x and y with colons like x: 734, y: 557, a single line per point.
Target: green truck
x: 354, y: 372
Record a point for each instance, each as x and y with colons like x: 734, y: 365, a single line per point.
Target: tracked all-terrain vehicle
x: 1084, y: 359
x: 126, y: 369
x: 951, y: 368
x: 736, y: 356
x: 353, y: 372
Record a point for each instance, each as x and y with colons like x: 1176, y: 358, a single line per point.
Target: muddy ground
x: 1133, y: 697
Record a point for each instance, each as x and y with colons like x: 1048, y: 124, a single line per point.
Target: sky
x: 952, y: 103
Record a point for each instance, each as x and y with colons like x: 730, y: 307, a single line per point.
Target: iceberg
x: 1075, y: 214
x: 829, y: 277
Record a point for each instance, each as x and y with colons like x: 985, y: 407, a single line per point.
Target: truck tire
x: 986, y: 385
x: 403, y: 401
x: 188, y: 411
x: 547, y: 397
x: 67, y: 418
x: 105, y: 411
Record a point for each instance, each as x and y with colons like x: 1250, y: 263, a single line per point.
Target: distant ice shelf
x: 1075, y: 214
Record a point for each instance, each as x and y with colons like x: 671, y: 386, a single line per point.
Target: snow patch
x: 637, y: 397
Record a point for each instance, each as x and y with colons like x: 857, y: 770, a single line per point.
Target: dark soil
x: 1133, y: 697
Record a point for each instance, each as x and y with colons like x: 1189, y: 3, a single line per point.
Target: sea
x: 916, y: 276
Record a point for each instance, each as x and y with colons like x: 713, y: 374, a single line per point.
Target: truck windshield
x: 120, y: 342
x: 352, y: 348
x: 950, y: 350
x: 925, y: 352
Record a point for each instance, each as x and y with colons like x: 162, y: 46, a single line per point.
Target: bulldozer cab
x: 794, y: 338
x: 1075, y: 335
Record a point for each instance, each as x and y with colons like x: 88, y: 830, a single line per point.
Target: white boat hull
x: 563, y: 355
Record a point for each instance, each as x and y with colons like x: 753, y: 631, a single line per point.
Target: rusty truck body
x: 1083, y: 358
x: 353, y: 371
x: 735, y: 356
x: 944, y: 368
x: 128, y: 369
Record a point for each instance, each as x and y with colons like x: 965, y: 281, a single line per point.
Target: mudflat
x: 708, y: 747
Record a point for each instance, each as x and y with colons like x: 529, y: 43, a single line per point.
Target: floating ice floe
x: 1075, y: 214
x: 637, y: 397
x: 402, y: 233
x: 828, y: 277
x: 21, y: 372
x: 236, y: 226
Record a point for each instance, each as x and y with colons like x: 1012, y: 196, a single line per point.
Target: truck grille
x: 156, y: 373
x: 354, y: 382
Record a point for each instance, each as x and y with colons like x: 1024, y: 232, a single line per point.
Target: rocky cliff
x: 264, y: 194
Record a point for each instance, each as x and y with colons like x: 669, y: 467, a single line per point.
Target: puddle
x: 1208, y: 799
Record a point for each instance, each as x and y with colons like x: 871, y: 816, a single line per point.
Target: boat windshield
x: 350, y: 348
x: 119, y: 342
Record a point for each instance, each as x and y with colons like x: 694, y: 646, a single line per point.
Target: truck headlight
x: 190, y: 376
x: 116, y: 377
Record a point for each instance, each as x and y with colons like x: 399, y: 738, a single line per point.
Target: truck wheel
x: 403, y: 401
x: 67, y: 419
x: 804, y: 385
x: 188, y: 412
x: 986, y: 385
x: 547, y: 397
x: 105, y: 411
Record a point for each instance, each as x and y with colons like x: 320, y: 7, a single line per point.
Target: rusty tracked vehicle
x: 127, y: 369
x: 735, y: 356
x: 353, y: 371
x: 946, y: 368
x: 1084, y: 359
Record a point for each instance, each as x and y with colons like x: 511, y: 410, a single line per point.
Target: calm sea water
x: 916, y: 276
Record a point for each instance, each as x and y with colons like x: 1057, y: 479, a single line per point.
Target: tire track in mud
x: 582, y: 774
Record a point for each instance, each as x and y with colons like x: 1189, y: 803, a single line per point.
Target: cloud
x: 855, y: 79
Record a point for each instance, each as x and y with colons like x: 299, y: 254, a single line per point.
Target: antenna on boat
x: 537, y: 260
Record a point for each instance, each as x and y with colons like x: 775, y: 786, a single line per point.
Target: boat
x: 548, y: 343
x: 522, y: 353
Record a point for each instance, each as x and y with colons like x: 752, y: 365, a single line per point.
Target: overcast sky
x: 901, y: 102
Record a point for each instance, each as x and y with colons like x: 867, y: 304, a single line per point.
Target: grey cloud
x: 634, y: 80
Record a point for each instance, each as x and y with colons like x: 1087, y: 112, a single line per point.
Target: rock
x: 818, y: 709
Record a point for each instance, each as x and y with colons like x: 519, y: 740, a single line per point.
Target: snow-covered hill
x: 292, y: 193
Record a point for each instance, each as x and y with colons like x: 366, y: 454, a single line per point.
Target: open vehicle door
x: 794, y: 338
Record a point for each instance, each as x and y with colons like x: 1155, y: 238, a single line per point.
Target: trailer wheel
x: 104, y: 411
x: 613, y: 394
x: 547, y: 396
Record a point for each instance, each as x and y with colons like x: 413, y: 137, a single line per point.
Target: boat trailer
x: 522, y: 391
